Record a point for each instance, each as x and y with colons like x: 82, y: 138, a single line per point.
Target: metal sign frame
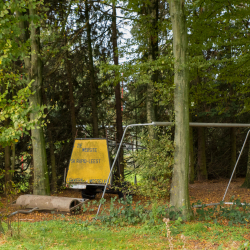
x: 191, y: 124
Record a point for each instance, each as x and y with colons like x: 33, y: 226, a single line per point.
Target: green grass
x: 78, y: 235
x: 75, y: 234
x: 215, y: 232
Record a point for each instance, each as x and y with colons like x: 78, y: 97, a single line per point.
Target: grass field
x: 71, y: 233
x: 225, y: 229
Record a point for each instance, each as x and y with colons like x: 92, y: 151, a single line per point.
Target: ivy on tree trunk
x: 34, y: 65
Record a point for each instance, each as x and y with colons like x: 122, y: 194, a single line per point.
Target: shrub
x: 155, y: 166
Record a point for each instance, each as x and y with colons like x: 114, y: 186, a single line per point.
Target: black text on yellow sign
x: 89, y: 162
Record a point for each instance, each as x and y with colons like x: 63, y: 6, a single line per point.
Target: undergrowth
x: 154, y: 164
x: 150, y: 222
x: 127, y: 213
x: 152, y: 213
x: 237, y: 213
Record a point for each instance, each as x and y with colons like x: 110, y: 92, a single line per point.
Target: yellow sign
x: 89, y: 162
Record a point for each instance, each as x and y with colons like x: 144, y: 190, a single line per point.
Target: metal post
x: 236, y: 165
x: 205, y: 124
x: 220, y: 125
x: 162, y: 123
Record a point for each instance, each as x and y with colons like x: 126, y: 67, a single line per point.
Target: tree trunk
x: 120, y: 172
x: 150, y: 109
x: 92, y: 76
x: 71, y: 97
x: 13, y: 159
x: 246, y: 183
x: 7, y: 152
x: 33, y: 66
x: 179, y: 196
x: 233, y: 150
x: 52, y: 162
x: 51, y: 148
x: 202, y: 166
x: 153, y: 53
x: 1, y: 227
x: 191, y: 156
x: 7, y: 165
x: 41, y: 178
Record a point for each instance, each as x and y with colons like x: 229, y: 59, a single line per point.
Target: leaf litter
x: 205, y: 192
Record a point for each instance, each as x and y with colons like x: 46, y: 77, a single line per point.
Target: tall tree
x: 33, y: 66
x: 41, y: 177
x: 246, y: 183
x: 51, y: 148
x: 202, y: 165
x: 233, y: 150
x: 7, y: 162
x: 153, y: 53
x: 7, y: 152
x: 179, y: 196
x: 117, y: 94
x: 191, y: 156
x: 92, y: 75
x: 71, y: 93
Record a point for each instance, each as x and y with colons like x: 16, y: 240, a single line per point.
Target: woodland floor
x: 205, y: 192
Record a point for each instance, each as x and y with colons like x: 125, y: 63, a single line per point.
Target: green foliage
x: 154, y: 165
x: 15, y: 88
x: 218, y: 59
x: 23, y: 184
x: 11, y: 188
x: 16, y: 110
x: 152, y: 213
x: 127, y: 214
x: 244, y: 246
x: 238, y: 213
x: 124, y: 214
x: 205, y: 213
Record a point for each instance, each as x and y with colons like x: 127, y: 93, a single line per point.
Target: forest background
x: 61, y: 78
